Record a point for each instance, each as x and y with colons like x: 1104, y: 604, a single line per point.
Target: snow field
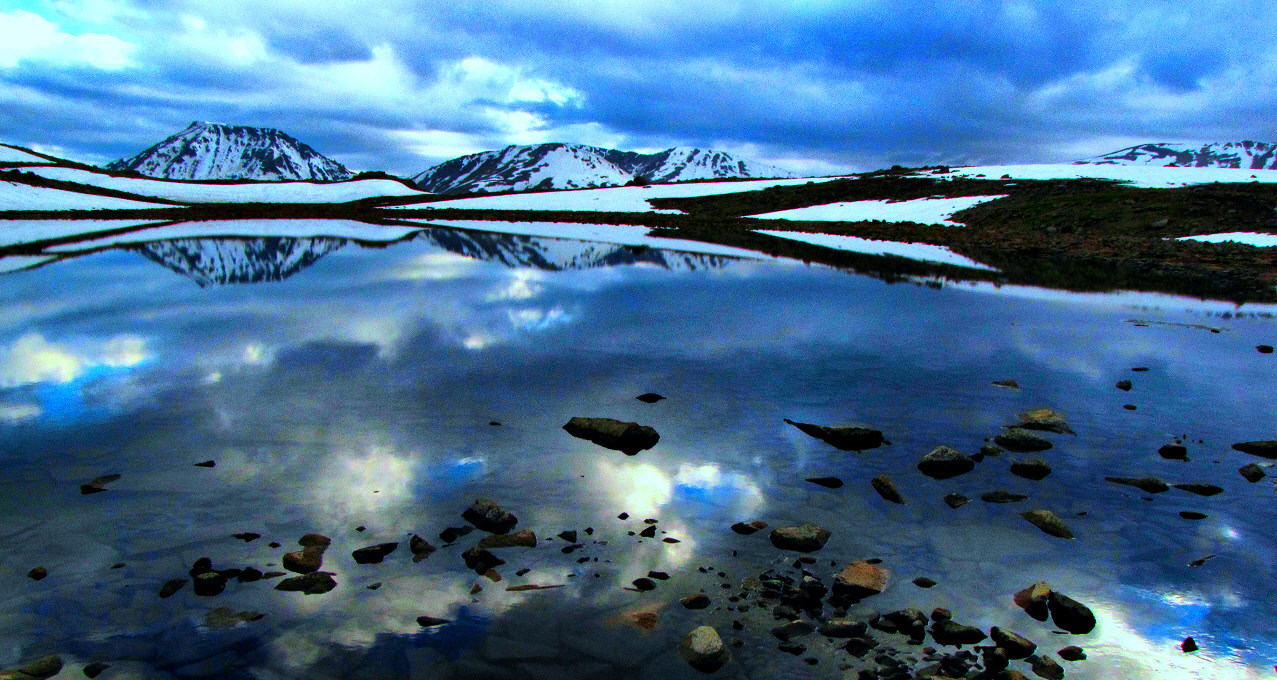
x: 1144, y: 176
x: 256, y: 192
x: 15, y: 196
x: 855, y: 244
x: 921, y: 210
x: 1250, y: 238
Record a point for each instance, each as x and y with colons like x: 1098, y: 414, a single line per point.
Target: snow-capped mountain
x: 220, y: 261
x: 216, y: 151
x: 576, y: 166
x: 1247, y: 154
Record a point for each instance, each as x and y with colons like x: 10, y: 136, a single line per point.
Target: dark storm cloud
x: 847, y: 83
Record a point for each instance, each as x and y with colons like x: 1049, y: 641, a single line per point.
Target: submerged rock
x: 628, y: 438
x: 98, y: 484
x: 314, y: 583
x: 519, y: 539
x: 1035, y: 469
x: 1046, y: 419
x: 1001, y: 496
x: 1266, y: 448
x: 1200, y: 489
x: 1019, y: 440
x: 697, y: 601
x: 704, y: 650
x: 956, y: 500
x: 842, y: 438
x: 1007, y: 383
x: 451, y: 534
x: 649, y: 398
x: 887, y: 489
x: 1016, y: 646
x: 488, y: 516
x: 827, y: 482
x: 746, y: 529
x: 45, y: 667
x: 842, y: 628
x: 1033, y: 600
x: 1252, y: 472
x: 308, y: 559
x: 1069, y: 614
x: 1046, y: 667
x: 430, y: 621
x: 944, y: 462
x: 807, y: 537
x: 859, y: 580
x: 1124, y: 385
x: 1072, y: 653
x: 949, y: 632
x: 207, y: 463
x: 95, y: 669
x: 37, y: 573
x: 1173, y: 452
x: 1047, y: 522
x: 420, y: 548
x: 171, y: 586
x: 1146, y: 484
x: 481, y: 560
x: 373, y: 554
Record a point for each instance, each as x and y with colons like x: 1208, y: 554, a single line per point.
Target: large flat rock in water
x: 628, y: 438
x: 843, y: 438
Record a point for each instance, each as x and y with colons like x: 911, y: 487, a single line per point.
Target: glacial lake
x: 339, y: 385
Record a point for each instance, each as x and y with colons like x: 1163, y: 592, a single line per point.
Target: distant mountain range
x: 577, y: 166
x: 216, y: 151
x: 1247, y: 154
x: 221, y: 261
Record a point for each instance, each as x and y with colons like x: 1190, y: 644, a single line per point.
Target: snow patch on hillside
x: 1249, y: 238
x: 15, y: 196
x: 1152, y: 177
x: 216, y: 151
x: 9, y: 154
x: 255, y: 192
x: 613, y: 199
x: 921, y: 210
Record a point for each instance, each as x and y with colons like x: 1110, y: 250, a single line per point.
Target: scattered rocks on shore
x: 704, y: 650
x: 806, y: 537
x: 944, y: 462
x: 843, y: 438
x: 488, y: 516
x: 627, y: 437
x: 1019, y: 440
x: 887, y: 489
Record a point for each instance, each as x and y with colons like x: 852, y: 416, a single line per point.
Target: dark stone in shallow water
x: 1173, y: 452
x: 842, y: 438
x: 207, y: 463
x: 1264, y: 349
x: 649, y: 398
x: 746, y: 529
x: 1072, y: 653
x: 481, y: 560
x: 1047, y: 419
x: 249, y: 574
x: 804, y: 538
x: 247, y: 536
x: 1146, y: 484
x: 956, y: 500
x: 1200, y: 489
x: 1124, y: 385
x: 488, y: 516
x: 1018, y: 440
x: 1265, y: 448
x: 887, y: 489
x: 1189, y: 514
x: 627, y: 437
x: 373, y: 554
x: 949, y: 632
x: 1001, y: 496
x: 314, y: 583
x: 98, y: 484
x: 429, y: 621
x: 171, y: 586
x: 209, y: 584
x: 420, y: 548
x: 37, y: 573
x: 944, y: 462
x: 644, y: 583
x: 827, y: 482
x: 1047, y: 522
x: 1035, y: 469
x: 1252, y: 472
x: 95, y: 669
x: 1069, y: 614
x: 453, y: 533
x: 697, y: 601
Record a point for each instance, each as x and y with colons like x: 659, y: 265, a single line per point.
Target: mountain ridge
x: 218, y: 151
x: 1247, y: 154
x: 558, y: 165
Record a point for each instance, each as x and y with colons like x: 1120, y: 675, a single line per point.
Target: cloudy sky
x: 815, y: 86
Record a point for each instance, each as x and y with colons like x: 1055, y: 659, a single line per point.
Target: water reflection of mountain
x: 216, y: 261
x: 557, y: 254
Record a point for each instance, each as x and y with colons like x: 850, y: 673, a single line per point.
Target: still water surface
x: 339, y: 386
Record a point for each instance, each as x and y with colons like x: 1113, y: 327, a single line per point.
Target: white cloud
x: 32, y: 359
x: 27, y: 36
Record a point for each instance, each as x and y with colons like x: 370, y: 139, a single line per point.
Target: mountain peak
x: 207, y: 150
x: 1246, y: 154
x: 559, y: 165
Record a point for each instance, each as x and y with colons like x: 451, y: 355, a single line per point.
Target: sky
x: 815, y: 87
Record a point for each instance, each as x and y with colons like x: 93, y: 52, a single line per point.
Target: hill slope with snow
x: 577, y: 166
x: 1244, y: 155
x: 216, y: 151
